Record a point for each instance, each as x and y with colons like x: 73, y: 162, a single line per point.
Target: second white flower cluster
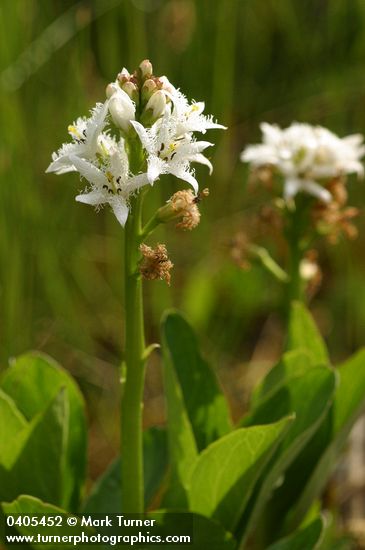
x: 306, y: 157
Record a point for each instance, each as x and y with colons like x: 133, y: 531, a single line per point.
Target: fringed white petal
x: 94, y: 198
x: 136, y: 182
x: 316, y: 190
x: 271, y: 132
x: 89, y: 171
x: 201, y: 159
x: 62, y: 165
x: 120, y: 209
x: 185, y: 175
x: 291, y: 188
x: 156, y: 167
x: 143, y: 136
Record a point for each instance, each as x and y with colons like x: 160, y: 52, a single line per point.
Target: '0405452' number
x: 33, y: 521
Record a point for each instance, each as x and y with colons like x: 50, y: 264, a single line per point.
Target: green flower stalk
x: 144, y: 130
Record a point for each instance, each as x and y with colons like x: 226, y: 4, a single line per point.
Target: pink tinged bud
x: 122, y: 110
x: 124, y: 75
x: 157, y: 104
x: 146, y: 69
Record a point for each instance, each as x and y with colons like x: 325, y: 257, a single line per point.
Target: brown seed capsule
x: 183, y: 205
x: 155, y: 263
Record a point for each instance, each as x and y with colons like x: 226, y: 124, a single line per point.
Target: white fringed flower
x: 169, y: 143
x: 190, y: 116
x: 110, y: 182
x: 306, y: 156
x: 168, y: 153
x: 87, y: 139
x: 101, y: 143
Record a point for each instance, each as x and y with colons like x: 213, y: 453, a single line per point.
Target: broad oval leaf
x: 309, y: 537
x: 204, y: 401
x: 309, y: 396
x: 304, y: 334
x: 310, y: 472
x: 32, y: 381
x: 206, y: 533
x: 29, y: 505
x: 39, y: 466
x: 226, y: 472
x: 292, y: 364
x: 181, y: 441
x: 12, y: 422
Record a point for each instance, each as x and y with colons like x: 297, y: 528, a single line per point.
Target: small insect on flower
x: 306, y: 157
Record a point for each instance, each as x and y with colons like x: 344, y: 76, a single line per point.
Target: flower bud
x: 157, y: 104
x: 111, y: 89
x: 146, y: 69
x: 122, y: 110
x: 123, y: 76
x: 131, y: 90
x: 148, y: 88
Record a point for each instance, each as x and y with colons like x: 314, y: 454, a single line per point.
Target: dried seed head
x: 155, y: 263
x: 337, y: 188
x: 332, y: 220
x: 183, y: 205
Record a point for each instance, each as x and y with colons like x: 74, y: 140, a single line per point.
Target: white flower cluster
x: 306, y: 156
x: 165, y: 130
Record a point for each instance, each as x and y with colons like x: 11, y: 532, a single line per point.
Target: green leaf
x: 204, y: 401
x: 106, y: 495
x: 12, y: 422
x: 292, y: 364
x: 30, y: 505
x: 206, y: 533
x: 303, y: 334
x: 32, y: 381
x: 39, y: 467
x: 309, y: 396
x: 181, y: 442
x: 308, y: 538
x: 309, y: 474
x: 226, y: 472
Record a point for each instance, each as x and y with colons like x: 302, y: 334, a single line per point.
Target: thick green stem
x: 296, y: 228
x: 132, y: 398
x: 295, y: 291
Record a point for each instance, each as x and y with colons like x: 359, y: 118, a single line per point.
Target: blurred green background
x: 61, y: 264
